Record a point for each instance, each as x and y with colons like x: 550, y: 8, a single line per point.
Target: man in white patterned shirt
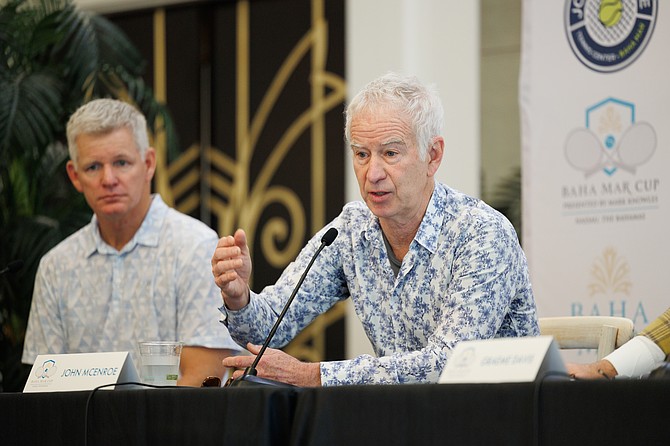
x: 424, y: 265
x: 136, y: 271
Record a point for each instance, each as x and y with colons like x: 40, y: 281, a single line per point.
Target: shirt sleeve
x: 636, y: 358
x: 45, y: 332
x: 323, y: 286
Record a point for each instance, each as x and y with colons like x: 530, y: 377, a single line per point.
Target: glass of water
x: 160, y: 362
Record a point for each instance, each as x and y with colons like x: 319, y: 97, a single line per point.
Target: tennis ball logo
x: 610, y: 12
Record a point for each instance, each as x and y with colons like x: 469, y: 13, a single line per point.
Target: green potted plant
x: 506, y: 198
x: 53, y: 58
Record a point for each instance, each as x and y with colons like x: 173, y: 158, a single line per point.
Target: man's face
x: 394, y: 183
x: 111, y: 174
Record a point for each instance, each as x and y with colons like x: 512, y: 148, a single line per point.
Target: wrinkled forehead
x: 386, y: 123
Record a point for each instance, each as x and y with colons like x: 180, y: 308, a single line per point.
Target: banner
x: 594, y: 98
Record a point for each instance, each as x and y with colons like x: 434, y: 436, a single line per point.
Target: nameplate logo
x: 502, y: 360
x: 80, y: 371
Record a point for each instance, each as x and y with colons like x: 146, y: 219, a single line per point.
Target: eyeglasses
x: 211, y: 381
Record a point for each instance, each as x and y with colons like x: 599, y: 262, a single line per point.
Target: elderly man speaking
x: 424, y: 265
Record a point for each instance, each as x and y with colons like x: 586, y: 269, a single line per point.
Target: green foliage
x: 53, y: 58
x: 507, y: 198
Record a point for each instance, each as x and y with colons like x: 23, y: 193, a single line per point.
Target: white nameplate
x: 80, y: 371
x: 502, y: 360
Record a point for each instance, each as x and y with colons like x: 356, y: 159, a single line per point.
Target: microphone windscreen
x: 329, y: 236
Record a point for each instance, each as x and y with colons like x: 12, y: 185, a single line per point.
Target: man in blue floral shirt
x: 424, y: 265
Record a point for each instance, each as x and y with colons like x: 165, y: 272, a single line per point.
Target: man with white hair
x: 424, y: 265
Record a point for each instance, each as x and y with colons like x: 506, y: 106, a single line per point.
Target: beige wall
x: 439, y: 42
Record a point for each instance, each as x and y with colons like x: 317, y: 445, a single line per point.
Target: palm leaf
x: 117, y: 49
x: 507, y: 198
x: 29, y: 112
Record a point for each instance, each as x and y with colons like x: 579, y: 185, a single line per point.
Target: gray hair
x: 103, y: 116
x: 419, y: 103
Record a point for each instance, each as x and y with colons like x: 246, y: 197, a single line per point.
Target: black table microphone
x: 249, y: 377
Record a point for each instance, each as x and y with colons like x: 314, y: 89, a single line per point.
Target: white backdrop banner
x: 595, y: 105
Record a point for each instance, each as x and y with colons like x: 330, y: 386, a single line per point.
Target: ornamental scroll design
x: 234, y: 197
x: 246, y: 201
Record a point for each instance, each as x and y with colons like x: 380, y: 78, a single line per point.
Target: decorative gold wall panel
x: 265, y: 151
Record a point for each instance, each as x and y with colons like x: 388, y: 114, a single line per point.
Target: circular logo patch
x: 608, y: 35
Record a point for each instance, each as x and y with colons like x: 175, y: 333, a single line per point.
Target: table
x: 548, y: 414
x: 179, y: 416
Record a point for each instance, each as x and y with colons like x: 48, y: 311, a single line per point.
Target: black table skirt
x: 553, y: 413
x: 180, y: 416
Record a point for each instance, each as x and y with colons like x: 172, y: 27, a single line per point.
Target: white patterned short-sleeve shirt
x: 465, y: 277
x: 90, y: 297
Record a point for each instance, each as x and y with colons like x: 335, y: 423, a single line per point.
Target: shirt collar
x: 431, y: 224
x: 147, y: 235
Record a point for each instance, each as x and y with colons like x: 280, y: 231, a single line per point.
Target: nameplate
x: 503, y: 360
x: 80, y: 371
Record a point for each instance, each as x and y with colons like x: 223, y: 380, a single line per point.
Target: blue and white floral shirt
x: 464, y: 277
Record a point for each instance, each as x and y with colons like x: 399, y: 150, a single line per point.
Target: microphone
x: 249, y: 377
x: 16, y: 265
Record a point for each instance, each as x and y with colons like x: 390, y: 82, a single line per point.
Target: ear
x: 435, y: 152
x: 73, y: 175
x: 150, y: 163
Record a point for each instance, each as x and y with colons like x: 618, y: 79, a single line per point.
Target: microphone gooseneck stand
x: 250, y: 378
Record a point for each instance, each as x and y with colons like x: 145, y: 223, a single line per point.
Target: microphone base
x: 257, y: 381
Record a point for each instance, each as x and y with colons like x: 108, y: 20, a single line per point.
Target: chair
x: 604, y: 333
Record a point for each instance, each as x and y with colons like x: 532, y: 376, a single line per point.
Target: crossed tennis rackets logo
x: 607, y: 148
x: 47, y: 370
